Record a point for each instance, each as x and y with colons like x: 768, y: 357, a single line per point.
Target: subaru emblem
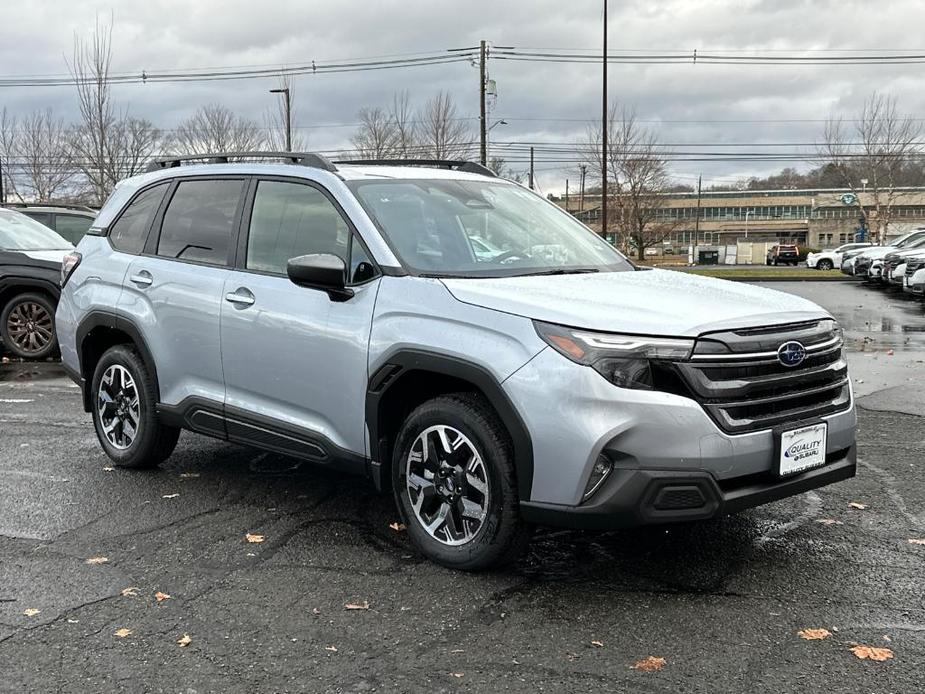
x: 791, y: 354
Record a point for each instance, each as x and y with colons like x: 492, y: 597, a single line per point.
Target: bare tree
x: 887, y: 142
x: 404, y: 125
x: 376, y: 137
x: 443, y: 134
x: 499, y: 166
x: 215, y: 128
x: 41, y: 152
x: 9, y: 144
x: 637, y: 177
x: 90, y: 142
x: 134, y: 141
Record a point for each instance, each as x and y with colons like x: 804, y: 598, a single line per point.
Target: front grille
x: 738, y: 379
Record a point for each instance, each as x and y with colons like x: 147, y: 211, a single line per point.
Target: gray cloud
x: 161, y: 34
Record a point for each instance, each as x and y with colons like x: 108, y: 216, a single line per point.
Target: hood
x: 50, y: 257
x: 878, y: 252
x: 651, y: 302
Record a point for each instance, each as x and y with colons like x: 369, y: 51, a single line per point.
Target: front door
x: 295, y: 360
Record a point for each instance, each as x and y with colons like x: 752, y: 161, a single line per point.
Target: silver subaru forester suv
x: 458, y: 340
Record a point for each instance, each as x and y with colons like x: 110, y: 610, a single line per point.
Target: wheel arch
x: 13, y: 285
x: 408, y: 378
x: 97, y: 332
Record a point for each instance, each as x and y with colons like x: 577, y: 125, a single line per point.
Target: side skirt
x: 240, y: 426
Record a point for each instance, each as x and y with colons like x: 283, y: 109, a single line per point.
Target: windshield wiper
x: 562, y: 271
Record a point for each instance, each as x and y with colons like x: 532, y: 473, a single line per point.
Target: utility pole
x: 604, y: 133
x: 581, y: 193
x: 483, y: 126
x: 2, y: 189
x: 566, y: 195
x: 285, y: 92
x: 531, y: 168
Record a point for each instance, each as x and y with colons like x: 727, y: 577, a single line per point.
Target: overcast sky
x: 540, y: 101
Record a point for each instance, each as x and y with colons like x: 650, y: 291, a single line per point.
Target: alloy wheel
x: 119, y: 407
x: 447, y: 484
x: 30, y: 327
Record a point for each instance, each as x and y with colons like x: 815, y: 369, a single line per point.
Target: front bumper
x: 645, y: 497
x: 573, y: 415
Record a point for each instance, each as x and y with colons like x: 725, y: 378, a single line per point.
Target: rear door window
x: 200, y: 220
x: 130, y: 231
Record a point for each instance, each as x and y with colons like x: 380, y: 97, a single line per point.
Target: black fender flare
x: 113, y: 321
x: 30, y: 282
x: 406, y: 361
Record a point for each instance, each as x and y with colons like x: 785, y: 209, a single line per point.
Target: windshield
x: 452, y: 228
x: 19, y: 233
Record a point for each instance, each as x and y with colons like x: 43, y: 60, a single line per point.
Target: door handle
x: 240, y: 298
x: 142, y: 279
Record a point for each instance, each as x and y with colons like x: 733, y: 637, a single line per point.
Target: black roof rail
x: 312, y: 159
x: 456, y: 164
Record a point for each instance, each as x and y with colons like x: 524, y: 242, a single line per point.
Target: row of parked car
x: 33, y: 241
x: 900, y: 264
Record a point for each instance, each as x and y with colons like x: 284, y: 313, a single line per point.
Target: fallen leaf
x: 130, y: 592
x: 457, y: 650
x: 814, y: 634
x: 160, y: 597
x: 254, y: 538
x: 108, y: 469
x: 572, y: 657
x: 170, y: 496
x: 184, y: 641
x: 916, y: 541
x: 30, y: 612
x: 122, y: 633
x: 648, y: 664
x: 829, y: 521
x: 97, y: 560
x: 597, y: 644
x: 857, y: 504
x: 397, y: 527
x: 357, y: 605
x: 457, y: 674
x: 872, y: 653
x: 316, y: 611
x: 188, y: 475
x: 333, y: 649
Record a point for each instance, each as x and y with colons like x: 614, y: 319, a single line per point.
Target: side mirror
x: 320, y: 271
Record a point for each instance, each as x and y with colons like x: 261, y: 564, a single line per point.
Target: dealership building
x: 821, y: 218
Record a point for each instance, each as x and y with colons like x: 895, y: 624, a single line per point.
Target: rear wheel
x: 27, y: 326
x: 825, y: 264
x: 124, y: 398
x: 455, y: 486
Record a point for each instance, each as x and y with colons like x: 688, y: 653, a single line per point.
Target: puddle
x: 31, y: 371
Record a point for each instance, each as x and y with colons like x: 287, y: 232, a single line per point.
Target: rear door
x: 174, y: 289
x: 295, y: 361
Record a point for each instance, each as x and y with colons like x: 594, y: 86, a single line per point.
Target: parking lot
x: 146, y: 581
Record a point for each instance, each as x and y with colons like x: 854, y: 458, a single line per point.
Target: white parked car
x: 828, y: 259
x: 914, y: 276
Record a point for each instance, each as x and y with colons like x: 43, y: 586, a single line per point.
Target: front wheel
x: 27, y: 326
x: 455, y: 485
x: 124, y: 398
x: 824, y: 265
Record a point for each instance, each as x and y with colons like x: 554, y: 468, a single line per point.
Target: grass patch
x: 759, y: 272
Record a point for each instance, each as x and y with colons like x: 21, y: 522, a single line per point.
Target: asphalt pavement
x: 333, y: 599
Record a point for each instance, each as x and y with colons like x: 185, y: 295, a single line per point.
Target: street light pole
x: 285, y: 92
x: 604, y: 132
x: 747, y: 213
x: 483, y: 126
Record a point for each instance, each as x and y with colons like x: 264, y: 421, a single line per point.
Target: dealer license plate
x: 802, y: 449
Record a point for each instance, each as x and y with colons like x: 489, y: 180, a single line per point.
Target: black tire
x: 153, y: 442
x: 825, y: 264
x: 775, y: 262
x: 502, y: 535
x: 29, y: 319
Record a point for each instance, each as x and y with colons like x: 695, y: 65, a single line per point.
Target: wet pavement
x: 720, y: 601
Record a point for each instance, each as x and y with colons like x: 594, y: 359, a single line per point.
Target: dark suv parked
x: 786, y: 255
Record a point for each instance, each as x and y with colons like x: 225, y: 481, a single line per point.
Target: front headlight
x: 624, y: 360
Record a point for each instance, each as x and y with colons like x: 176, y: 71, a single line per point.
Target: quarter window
x: 199, y: 221
x: 293, y: 219
x: 72, y: 226
x: 130, y: 231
